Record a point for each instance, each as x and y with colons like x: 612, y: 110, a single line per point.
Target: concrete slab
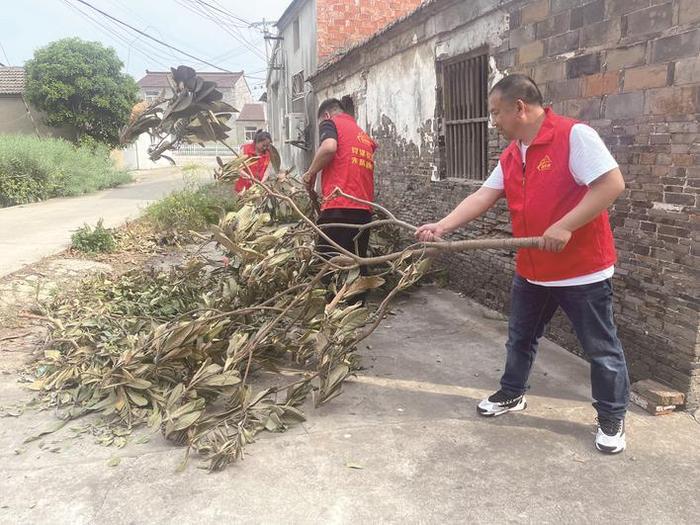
x: 408, y: 421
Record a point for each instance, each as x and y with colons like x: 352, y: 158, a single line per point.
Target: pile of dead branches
x: 177, y: 351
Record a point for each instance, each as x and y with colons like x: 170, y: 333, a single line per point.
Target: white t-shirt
x: 589, y: 158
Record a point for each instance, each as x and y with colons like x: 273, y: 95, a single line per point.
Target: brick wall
x: 631, y: 69
x: 342, y: 23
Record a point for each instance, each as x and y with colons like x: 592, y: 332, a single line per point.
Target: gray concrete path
x: 409, y: 427
x: 31, y: 232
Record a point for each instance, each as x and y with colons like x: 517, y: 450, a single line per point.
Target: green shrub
x: 91, y: 240
x: 34, y: 169
x: 192, y: 208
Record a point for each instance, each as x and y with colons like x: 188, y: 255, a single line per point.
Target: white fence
x: 210, y: 149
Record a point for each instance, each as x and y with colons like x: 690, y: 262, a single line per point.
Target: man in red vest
x: 558, y: 179
x: 346, y: 158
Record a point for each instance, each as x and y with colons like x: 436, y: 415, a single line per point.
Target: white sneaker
x: 500, y: 403
x: 610, y: 438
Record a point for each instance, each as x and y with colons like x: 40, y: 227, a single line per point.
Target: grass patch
x: 93, y: 240
x: 34, y: 169
x: 192, y: 208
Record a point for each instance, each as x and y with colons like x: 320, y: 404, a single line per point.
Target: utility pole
x: 267, y: 36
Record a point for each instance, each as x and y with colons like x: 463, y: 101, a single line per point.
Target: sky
x: 216, y: 31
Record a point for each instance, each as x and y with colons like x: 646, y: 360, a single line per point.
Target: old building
x: 236, y: 92
x: 631, y: 69
x: 233, y: 86
x: 310, y: 32
x: 250, y: 119
x: 16, y: 114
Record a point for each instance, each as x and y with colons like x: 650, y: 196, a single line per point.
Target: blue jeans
x: 589, y: 307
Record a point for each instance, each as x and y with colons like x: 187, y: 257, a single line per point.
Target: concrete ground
x: 403, y: 444
x: 31, y: 232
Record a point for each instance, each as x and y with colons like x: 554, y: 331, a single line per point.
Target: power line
x: 151, y: 53
x: 206, y: 10
x: 146, y: 24
x: 152, y: 38
x: 119, y: 4
x: 197, y: 10
x: 225, y: 12
x: 231, y: 53
x: 202, y: 11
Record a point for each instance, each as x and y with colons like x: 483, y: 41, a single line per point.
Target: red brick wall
x: 635, y: 77
x: 343, y: 23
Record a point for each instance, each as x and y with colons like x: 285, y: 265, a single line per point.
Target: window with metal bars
x: 465, y: 116
x: 298, y: 105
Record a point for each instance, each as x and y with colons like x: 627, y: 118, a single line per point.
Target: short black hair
x: 330, y: 105
x: 261, y: 135
x: 519, y: 87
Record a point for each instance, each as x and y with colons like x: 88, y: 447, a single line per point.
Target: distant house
x: 233, y: 85
x: 250, y: 119
x: 236, y: 92
x: 16, y: 116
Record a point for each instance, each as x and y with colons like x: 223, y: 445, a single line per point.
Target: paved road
x: 403, y: 445
x: 31, y: 232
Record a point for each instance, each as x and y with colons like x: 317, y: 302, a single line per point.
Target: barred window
x: 298, y: 105
x: 465, y: 116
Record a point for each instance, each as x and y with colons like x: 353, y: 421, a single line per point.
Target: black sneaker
x: 500, y: 403
x: 610, y: 438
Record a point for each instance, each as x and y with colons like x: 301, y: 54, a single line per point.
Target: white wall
x: 279, y: 87
x: 135, y: 156
x: 240, y: 94
x: 402, y: 86
x: 15, y: 119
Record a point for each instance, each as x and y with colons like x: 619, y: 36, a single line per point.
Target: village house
x: 249, y: 120
x: 233, y: 86
x: 16, y: 114
x: 308, y: 33
x: 236, y: 92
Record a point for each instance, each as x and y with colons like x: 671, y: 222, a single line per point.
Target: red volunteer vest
x: 540, y: 190
x: 352, y: 167
x: 258, y: 169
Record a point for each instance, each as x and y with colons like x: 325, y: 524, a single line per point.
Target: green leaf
x: 338, y: 374
x: 137, y: 398
x: 50, y: 429
x: 364, y: 284
x: 225, y: 379
x: 184, y: 421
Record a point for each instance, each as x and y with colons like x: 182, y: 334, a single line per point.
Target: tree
x: 79, y: 85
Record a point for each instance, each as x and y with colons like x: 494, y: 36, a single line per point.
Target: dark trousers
x: 345, y: 237
x: 590, y: 310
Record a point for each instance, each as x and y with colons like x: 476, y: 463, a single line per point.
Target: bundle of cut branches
x: 178, y: 350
